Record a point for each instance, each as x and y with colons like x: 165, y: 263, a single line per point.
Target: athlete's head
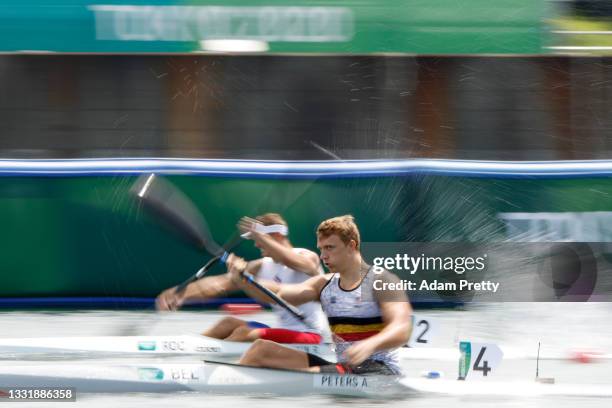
x: 273, y: 220
x: 338, y: 240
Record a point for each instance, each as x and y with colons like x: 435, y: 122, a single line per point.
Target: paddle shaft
x: 247, y: 277
x: 201, y: 272
x: 297, y: 313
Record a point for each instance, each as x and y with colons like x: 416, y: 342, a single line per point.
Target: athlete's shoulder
x: 385, y: 275
x: 387, y: 287
x: 325, y: 279
x: 265, y: 267
x: 314, y: 258
x: 266, y: 260
x: 320, y: 281
x: 328, y: 276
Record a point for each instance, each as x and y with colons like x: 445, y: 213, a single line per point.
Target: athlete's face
x: 334, y: 252
x: 275, y: 236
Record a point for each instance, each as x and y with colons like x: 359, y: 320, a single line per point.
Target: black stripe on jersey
x: 354, y: 320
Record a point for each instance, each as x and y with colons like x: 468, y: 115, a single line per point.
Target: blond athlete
x: 368, y: 325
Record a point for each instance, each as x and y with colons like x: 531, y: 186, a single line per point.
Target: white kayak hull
x: 206, y: 347
x: 206, y: 377
x: 136, y: 346
x: 233, y: 379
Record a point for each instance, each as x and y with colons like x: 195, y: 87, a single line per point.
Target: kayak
x: 217, y: 377
x: 136, y: 346
x: 206, y: 347
x: 207, y: 377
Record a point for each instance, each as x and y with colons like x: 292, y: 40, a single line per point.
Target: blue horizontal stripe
x: 105, y: 302
x: 115, y: 303
x: 306, y: 169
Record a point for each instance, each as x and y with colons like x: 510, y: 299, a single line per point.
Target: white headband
x: 268, y: 229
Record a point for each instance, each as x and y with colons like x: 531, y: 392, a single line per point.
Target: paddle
x: 287, y: 306
x: 233, y: 243
x: 162, y: 198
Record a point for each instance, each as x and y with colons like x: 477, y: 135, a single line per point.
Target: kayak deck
x: 207, y: 377
x: 233, y: 379
x: 136, y: 346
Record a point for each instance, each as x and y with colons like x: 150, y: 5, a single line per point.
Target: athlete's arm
x: 307, y: 291
x: 205, y: 288
x: 295, y: 294
x: 397, y: 316
x: 253, y: 267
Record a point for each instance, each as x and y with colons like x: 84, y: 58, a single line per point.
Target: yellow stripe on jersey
x: 356, y: 328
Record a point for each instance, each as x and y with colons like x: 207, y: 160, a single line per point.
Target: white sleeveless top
x: 280, y: 273
x: 355, y: 315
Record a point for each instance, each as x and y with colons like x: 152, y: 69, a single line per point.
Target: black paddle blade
x: 170, y: 206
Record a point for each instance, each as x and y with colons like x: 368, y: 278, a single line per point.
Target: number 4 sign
x: 478, y: 359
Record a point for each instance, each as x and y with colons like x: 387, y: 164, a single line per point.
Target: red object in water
x: 241, y: 308
x: 585, y: 356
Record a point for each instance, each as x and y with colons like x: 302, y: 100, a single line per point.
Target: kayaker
x: 368, y: 325
x: 281, y: 263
